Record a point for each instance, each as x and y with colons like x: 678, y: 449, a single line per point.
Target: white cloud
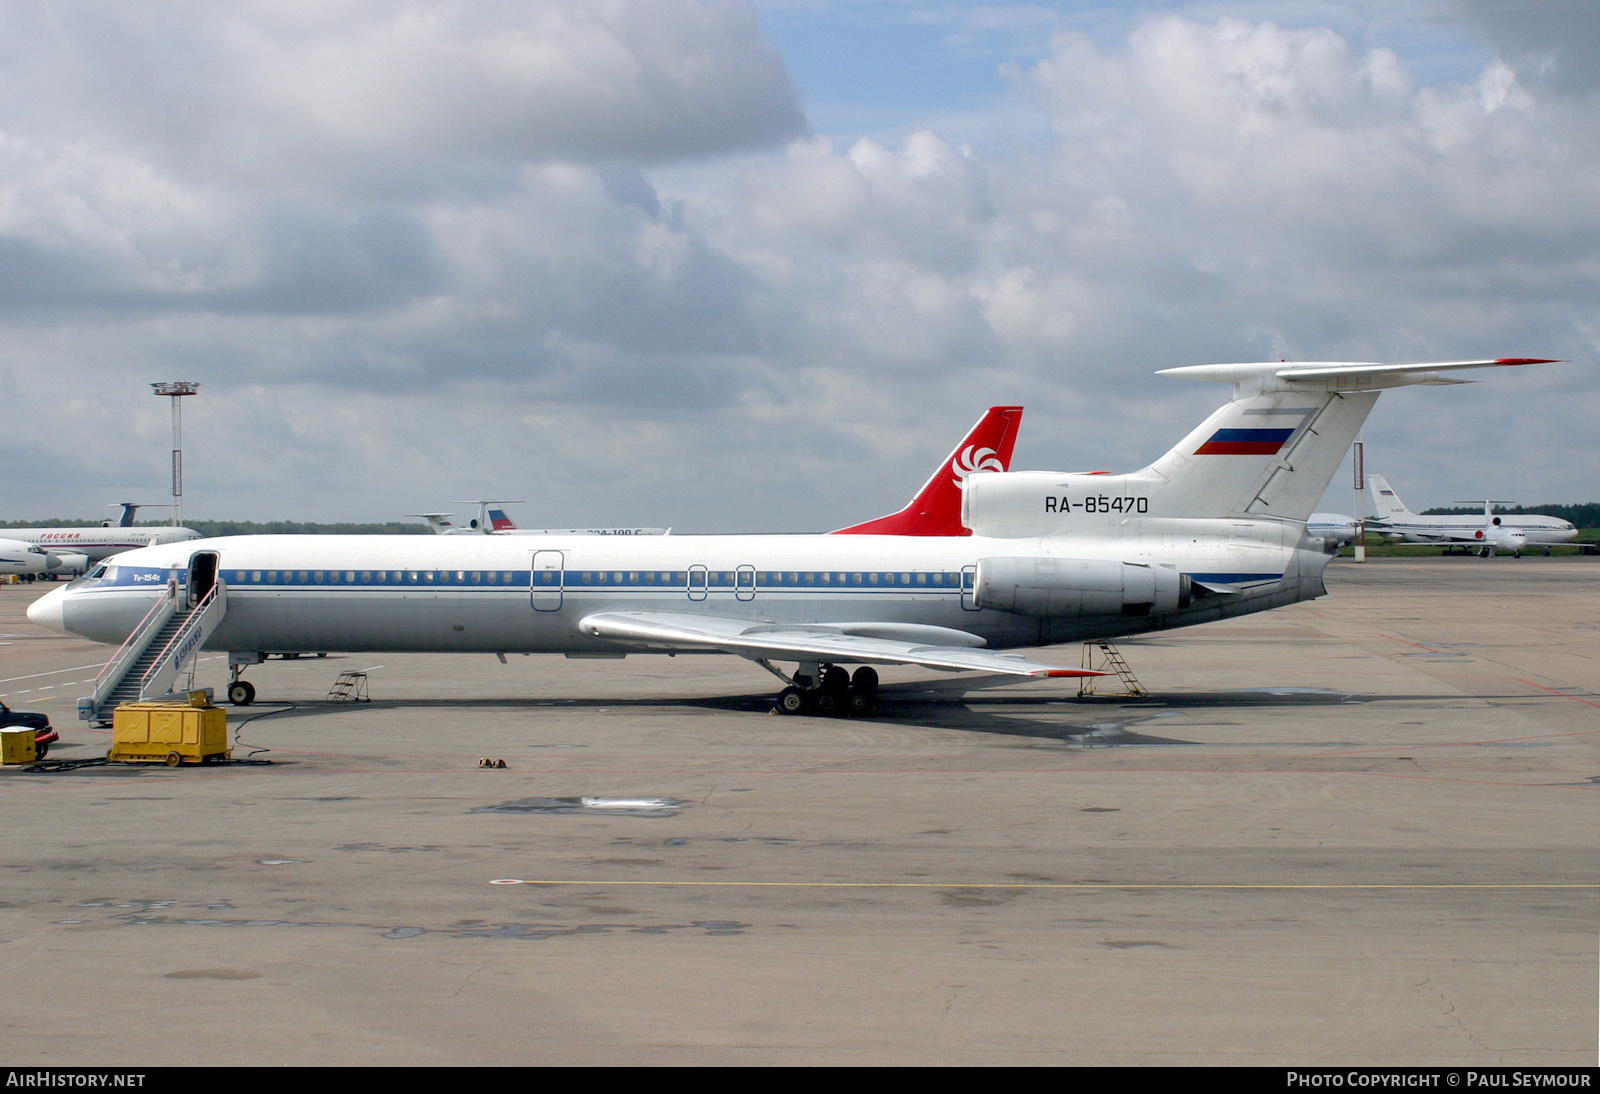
x: 423, y: 251
x: 382, y: 96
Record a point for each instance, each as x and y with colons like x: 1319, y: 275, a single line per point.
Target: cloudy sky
x: 756, y: 264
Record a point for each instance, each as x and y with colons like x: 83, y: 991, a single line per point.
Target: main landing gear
x: 818, y: 688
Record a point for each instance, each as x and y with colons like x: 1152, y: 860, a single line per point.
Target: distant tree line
x: 303, y: 528
x: 1584, y: 514
x: 248, y: 527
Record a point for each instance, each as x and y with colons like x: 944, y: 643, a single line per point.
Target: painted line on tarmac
x: 1558, y: 693
x: 52, y: 672
x: 1090, y: 886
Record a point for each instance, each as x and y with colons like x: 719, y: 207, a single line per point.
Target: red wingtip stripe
x: 1526, y: 361
x: 1075, y: 672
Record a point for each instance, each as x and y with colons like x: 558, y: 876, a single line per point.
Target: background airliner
x: 1490, y: 532
x: 493, y: 521
x: 1213, y: 529
x: 99, y: 542
x: 28, y: 560
x: 1334, y: 529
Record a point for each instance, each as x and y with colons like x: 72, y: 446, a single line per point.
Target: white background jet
x: 1489, y: 532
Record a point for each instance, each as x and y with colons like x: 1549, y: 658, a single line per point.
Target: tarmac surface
x: 1359, y: 831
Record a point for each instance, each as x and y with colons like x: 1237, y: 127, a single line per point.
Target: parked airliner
x: 1334, y: 529
x: 27, y: 560
x: 1488, y: 533
x: 1215, y: 528
x: 100, y: 542
x: 493, y: 521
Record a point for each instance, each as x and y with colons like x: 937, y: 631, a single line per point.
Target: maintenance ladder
x: 351, y: 687
x: 1112, y: 660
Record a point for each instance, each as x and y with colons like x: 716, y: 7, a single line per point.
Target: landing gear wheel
x: 241, y: 693
x: 835, y: 679
x: 791, y: 701
x: 828, y: 703
x: 865, y: 679
x: 861, y: 702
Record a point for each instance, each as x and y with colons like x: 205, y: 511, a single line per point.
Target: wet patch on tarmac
x: 151, y: 913
x: 383, y: 847
x: 539, y: 932
x: 978, y: 898
x: 1262, y: 697
x: 613, y: 807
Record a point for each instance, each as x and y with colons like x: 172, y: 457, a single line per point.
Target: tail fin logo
x: 972, y: 458
x: 1244, y: 442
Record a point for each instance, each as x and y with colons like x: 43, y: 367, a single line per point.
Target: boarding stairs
x: 158, y: 655
x: 1111, y: 661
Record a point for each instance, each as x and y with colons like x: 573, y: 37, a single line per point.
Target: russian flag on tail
x: 1244, y: 442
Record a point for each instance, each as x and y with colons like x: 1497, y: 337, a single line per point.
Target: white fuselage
x: 1335, y: 529
x: 527, y: 594
x: 19, y: 557
x: 1532, y: 529
x: 99, y: 542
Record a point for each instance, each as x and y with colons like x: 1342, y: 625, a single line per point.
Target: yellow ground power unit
x: 16, y: 746
x: 170, y: 733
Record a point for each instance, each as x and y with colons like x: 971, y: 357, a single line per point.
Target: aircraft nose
x: 50, y: 611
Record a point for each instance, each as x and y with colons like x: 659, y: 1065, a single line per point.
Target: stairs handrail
x: 133, y: 646
x: 194, y: 620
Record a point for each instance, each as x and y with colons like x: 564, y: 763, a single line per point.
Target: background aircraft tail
x: 439, y: 522
x: 936, y: 510
x: 1386, y: 501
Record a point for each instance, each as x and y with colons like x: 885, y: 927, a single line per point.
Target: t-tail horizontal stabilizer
x: 1338, y: 375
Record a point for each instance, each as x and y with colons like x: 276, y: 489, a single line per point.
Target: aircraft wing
x: 853, y: 643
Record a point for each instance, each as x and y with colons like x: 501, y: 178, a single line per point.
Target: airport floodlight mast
x: 176, y: 390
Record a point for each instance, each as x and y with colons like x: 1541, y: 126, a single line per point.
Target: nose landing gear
x: 241, y: 692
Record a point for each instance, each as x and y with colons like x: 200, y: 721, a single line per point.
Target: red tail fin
x: 936, y: 510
